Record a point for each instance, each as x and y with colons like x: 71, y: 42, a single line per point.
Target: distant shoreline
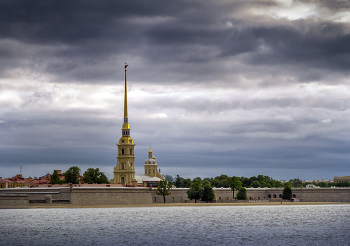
x: 189, y: 205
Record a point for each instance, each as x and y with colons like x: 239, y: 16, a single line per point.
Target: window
x: 181, y: 199
x: 155, y: 199
x: 173, y: 199
x: 122, y: 151
x: 123, y: 166
x: 130, y: 151
x: 123, y: 180
x: 154, y: 171
x: 149, y: 170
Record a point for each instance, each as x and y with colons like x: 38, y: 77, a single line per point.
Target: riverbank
x: 52, y: 206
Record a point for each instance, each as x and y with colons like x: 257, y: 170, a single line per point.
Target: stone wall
x: 110, y: 196
x: 38, y: 194
x: 14, y: 201
x: 92, y: 196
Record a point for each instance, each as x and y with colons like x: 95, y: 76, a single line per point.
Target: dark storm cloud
x: 226, y: 82
x: 84, y: 40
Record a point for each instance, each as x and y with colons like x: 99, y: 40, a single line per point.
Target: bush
x: 287, y: 193
x: 242, y: 194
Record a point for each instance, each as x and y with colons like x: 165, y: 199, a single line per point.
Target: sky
x: 240, y: 88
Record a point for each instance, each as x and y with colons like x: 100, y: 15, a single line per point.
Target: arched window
x: 269, y: 196
x: 130, y: 151
x: 123, y: 180
x: 149, y: 170
x: 280, y: 195
x: 123, y: 166
x: 274, y: 196
x: 294, y: 196
x: 122, y: 151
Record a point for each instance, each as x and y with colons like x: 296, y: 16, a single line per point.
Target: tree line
x: 226, y: 181
x: 73, y: 176
x: 252, y: 182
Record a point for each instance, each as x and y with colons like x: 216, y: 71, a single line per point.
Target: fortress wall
x: 305, y: 195
x: 14, y: 201
x: 110, y: 196
x: 92, y: 196
x: 177, y: 195
x: 323, y: 194
x: 62, y: 193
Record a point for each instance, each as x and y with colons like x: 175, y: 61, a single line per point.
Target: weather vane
x: 126, y: 65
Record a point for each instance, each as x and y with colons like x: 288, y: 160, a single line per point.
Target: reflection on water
x: 271, y: 225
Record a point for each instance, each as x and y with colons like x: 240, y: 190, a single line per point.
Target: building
x: 124, y: 172
x: 341, y: 179
x: 151, y: 168
x: 152, y: 176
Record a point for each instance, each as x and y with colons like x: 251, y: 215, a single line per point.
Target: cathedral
x: 124, y: 172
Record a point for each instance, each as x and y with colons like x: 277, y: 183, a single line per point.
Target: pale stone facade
x: 151, y: 168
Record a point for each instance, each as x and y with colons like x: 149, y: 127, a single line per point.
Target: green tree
x: 287, y: 193
x: 94, y: 176
x: 208, y: 194
x: 255, y: 184
x: 265, y: 184
x: 234, y: 183
x: 296, y: 182
x: 245, y: 182
x: 187, y: 183
x: 197, y: 179
x: 178, y: 181
x: 195, y: 192
x: 55, y: 178
x: 72, y: 175
x: 163, y: 188
x: 242, y: 194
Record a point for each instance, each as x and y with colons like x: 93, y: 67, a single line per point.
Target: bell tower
x: 124, y: 172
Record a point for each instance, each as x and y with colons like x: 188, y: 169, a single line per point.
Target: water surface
x: 236, y: 225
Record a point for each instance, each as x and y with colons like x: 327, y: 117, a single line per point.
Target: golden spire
x: 126, y: 127
x: 125, y: 95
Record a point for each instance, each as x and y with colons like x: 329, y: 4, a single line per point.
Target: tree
x: 287, y: 193
x: 208, y: 194
x: 195, y: 192
x: 265, y: 184
x: 242, y: 194
x: 187, y: 183
x: 55, y: 178
x: 178, y: 181
x: 163, y: 188
x: 296, y: 182
x: 255, y: 184
x: 72, y: 175
x: 235, y: 183
x: 94, y: 176
x: 197, y: 179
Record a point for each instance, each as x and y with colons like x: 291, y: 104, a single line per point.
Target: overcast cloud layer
x: 216, y: 87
